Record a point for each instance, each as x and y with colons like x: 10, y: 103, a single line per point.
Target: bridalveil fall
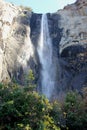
x: 45, y: 55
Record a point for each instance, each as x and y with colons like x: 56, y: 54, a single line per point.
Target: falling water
x: 45, y: 56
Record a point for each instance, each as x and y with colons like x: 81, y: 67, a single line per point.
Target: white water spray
x: 45, y: 56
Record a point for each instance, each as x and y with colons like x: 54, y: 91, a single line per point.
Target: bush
x: 21, y: 108
x: 27, y: 110
x: 76, y: 116
x: 26, y: 8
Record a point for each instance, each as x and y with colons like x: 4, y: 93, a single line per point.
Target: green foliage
x: 29, y: 78
x: 21, y: 108
x: 85, y: 97
x: 56, y: 112
x: 72, y: 114
x: 29, y: 81
x: 26, y: 8
x: 76, y: 116
x: 27, y: 110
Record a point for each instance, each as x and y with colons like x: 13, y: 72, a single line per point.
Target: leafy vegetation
x: 26, y: 8
x: 76, y: 116
x: 21, y: 108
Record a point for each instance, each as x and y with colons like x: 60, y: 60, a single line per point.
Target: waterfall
x: 45, y: 56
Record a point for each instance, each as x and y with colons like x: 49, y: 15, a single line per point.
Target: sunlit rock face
x: 16, y: 48
x: 7, y: 14
x: 19, y: 36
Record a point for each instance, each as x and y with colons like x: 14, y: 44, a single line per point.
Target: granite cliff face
x: 19, y: 34
x: 16, y: 48
x: 73, y: 44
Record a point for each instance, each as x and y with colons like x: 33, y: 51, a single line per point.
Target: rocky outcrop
x: 19, y: 34
x: 73, y: 45
x: 16, y: 49
x: 7, y: 13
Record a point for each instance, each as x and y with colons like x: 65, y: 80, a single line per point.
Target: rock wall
x: 19, y: 34
x: 73, y: 45
x: 16, y: 49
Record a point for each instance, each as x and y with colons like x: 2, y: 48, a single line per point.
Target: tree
x: 76, y: 116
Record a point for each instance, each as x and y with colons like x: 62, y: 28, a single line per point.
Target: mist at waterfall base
x: 47, y: 73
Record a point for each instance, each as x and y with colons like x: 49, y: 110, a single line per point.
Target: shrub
x: 76, y: 116
x: 27, y: 110
x: 26, y: 8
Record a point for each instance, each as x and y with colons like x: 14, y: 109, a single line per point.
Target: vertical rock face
x: 7, y: 14
x: 19, y: 34
x: 16, y: 48
x: 73, y: 45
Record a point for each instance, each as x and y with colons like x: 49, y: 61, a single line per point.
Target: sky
x: 43, y: 6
